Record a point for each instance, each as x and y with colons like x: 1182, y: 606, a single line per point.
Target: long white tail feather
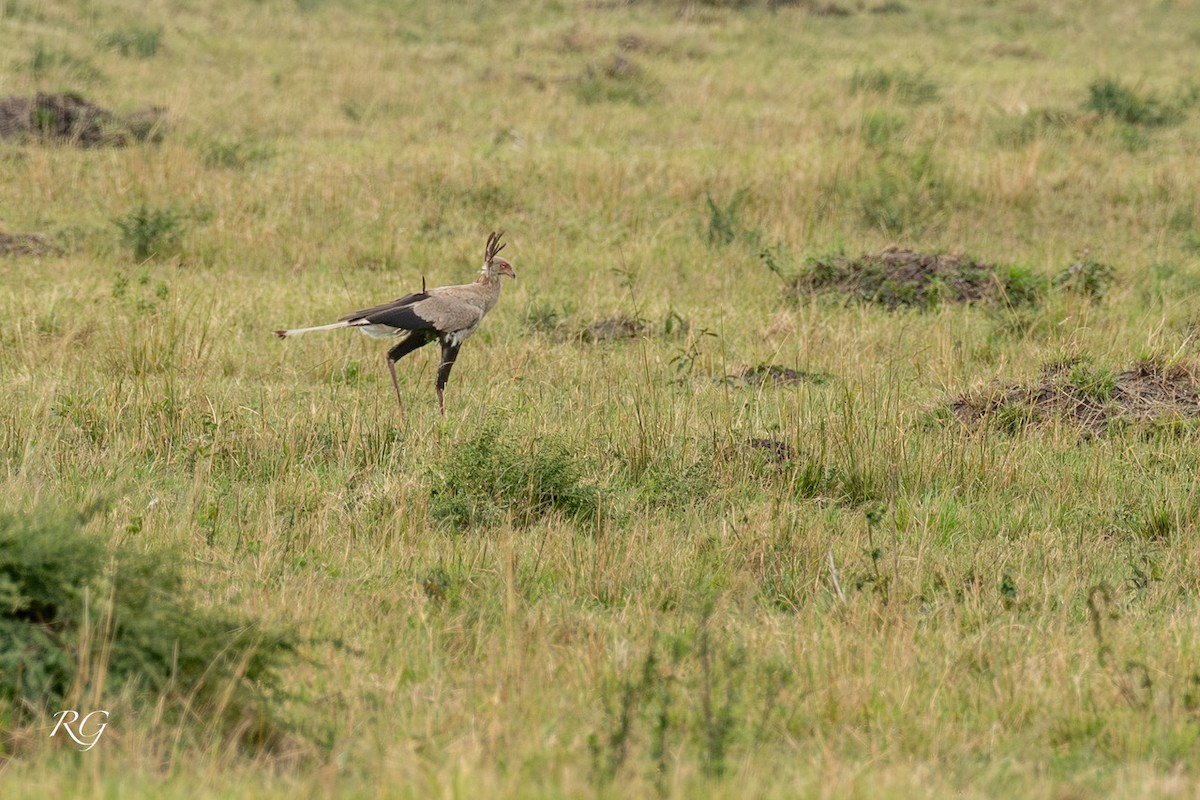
x: 330, y: 327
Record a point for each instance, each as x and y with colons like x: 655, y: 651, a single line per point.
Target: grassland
x: 615, y: 568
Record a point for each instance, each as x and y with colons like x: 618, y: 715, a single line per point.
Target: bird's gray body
x: 453, y: 311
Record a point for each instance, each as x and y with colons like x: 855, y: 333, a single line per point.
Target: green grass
x: 615, y: 569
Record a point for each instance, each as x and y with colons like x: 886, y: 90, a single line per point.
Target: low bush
x: 491, y: 475
x: 77, y: 616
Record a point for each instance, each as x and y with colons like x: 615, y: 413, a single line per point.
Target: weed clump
x: 619, y: 80
x: 150, y: 232
x: 1111, y: 98
x: 696, y: 690
x: 490, y: 476
x: 1086, y: 277
x: 815, y: 478
x: 675, y: 481
x: 546, y: 317
x: 724, y: 220
x: 1080, y: 392
x: 893, y: 190
x: 134, y: 42
x: 47, y: 59
x: 907, y: 87
x: 879, y: 127
x: 225, y: 154
x: 75, y: 617
x: 900, y: 278
x: 1020, y: 130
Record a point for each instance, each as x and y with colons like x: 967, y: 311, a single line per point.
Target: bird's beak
x: 507, y: 270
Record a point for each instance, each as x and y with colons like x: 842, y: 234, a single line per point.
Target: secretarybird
x: 448, y: 314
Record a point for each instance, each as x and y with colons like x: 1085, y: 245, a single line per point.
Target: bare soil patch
x: 779, y: 376
x: 615, y: 328
x: 26, y: 244
x: 774, y: 450
x: 69, y: 118
x: 1079, y: 392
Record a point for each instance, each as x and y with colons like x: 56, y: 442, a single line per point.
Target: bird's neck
x: 490, y: 283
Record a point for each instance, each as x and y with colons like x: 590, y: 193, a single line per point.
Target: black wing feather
x: 396, y: 314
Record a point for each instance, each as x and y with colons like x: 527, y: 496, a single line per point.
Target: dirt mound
x: 901, y: 278
x: 779, y: 376
x: 1078, y: 391
x: 774, y: 450
x: 615, y: 328
x: 69, y: 118
x: 25, y: 244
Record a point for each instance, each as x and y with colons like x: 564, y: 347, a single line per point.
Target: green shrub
x: 1111, y: 98
x: 67, y: 600
x: 490, y: 475
x: 150, y: 232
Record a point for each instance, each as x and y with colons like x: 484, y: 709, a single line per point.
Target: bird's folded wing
x: 420, y: 311
x: 368, y: 313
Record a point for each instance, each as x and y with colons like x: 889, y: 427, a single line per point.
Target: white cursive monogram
x: 81, y: 737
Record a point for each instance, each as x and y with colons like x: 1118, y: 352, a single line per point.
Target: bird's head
x: 494, y: 264
x: 501, y: 267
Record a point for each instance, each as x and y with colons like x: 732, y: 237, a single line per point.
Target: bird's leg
x: 406, y: 346
x: 396, y: 384
x: 449, y: 353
